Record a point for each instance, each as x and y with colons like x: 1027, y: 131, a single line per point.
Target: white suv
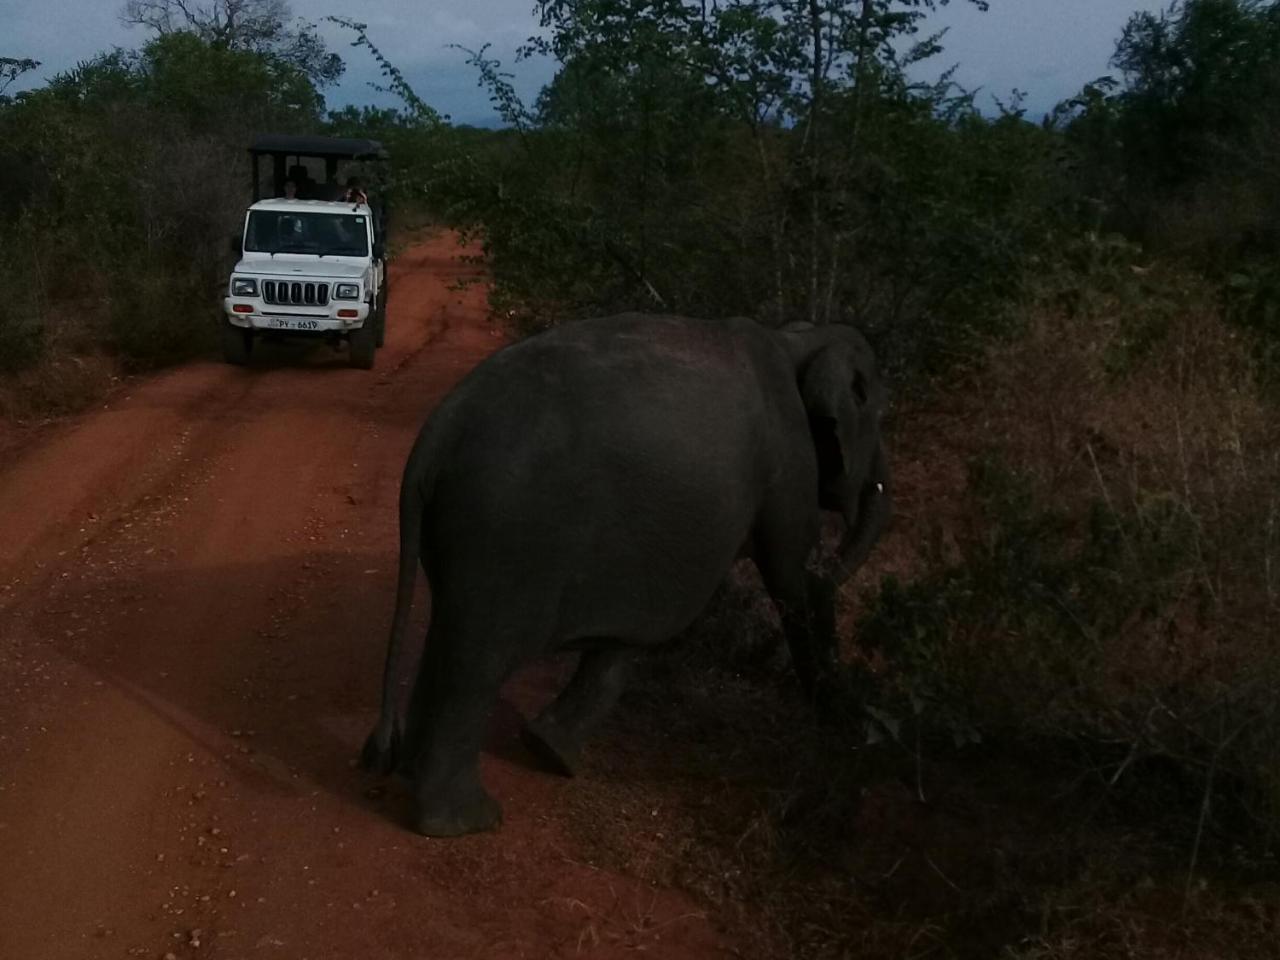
x: 307, y: 268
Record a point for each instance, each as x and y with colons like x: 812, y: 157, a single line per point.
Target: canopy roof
x: 313, y: 146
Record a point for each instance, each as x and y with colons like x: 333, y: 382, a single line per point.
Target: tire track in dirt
x: 194, y: 591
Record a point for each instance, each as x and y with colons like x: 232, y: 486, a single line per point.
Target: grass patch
x: 812, y: 842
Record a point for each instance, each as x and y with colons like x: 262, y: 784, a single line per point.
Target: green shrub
x: 157, y: 316
x: 1120, y: 620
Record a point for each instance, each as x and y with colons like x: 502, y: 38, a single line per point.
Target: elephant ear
x: 834, y: 390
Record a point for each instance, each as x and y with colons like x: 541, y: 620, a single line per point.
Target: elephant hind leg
x: 450, y: 798
x: 452, y: 699
x: 557, y: 735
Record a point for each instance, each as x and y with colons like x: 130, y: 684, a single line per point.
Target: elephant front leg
x: 806, y: 607
x: 558, y: 734
x: 785, y: 535
x: 810, y: 630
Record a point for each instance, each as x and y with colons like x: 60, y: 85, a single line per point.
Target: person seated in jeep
x: 355, y: 192
x: 306, y: 186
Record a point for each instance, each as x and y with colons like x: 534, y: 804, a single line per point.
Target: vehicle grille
x: 295, y: 293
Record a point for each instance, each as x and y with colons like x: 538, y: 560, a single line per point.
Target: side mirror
x: 235, y: 244
x: 378, y: 250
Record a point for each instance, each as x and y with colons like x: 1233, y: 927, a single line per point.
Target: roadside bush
x: 21, y: 329
x: 158, y: 316
x: 1116, y: 584
x: 22, y: 334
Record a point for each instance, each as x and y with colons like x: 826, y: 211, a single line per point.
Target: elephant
x: 587, y: 489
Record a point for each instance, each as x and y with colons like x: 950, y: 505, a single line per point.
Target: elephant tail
x: 382, y: 748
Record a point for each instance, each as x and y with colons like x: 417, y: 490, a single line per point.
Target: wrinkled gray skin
x: 588, y: 489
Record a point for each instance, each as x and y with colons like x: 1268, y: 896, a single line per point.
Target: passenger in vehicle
x: 355, y: 192
x: 306, y: 186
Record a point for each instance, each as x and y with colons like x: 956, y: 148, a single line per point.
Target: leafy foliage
x: 11, y: 68
x: 766, y: 159
x: 1180, y: 153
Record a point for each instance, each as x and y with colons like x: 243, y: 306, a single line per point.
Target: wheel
x: 363, y: 344
x: 237, y: 344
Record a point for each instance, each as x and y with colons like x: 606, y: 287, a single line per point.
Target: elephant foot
x: 549, y: 743
x: 479, y: 813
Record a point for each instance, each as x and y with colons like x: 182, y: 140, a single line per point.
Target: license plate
x: 292, y: 323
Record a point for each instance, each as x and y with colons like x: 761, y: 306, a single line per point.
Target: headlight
x: 347, y: 291
x: 244, y: 287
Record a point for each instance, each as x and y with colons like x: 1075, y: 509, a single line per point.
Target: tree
x: 11, y: 68
x: 256, y: 26
x: 1180, y: 152
x: 798, y: 77
x: 1198, y: 76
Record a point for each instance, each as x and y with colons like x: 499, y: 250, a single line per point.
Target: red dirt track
x: 195, y: 586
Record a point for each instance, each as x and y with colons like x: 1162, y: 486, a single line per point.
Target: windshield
x: 326, y: 234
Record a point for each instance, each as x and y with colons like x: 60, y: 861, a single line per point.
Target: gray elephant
x: 588, y: 489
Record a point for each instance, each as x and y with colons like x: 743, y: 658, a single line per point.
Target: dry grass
x: 806, y: 842
x: 1178, y: 453
x: 72, y: 372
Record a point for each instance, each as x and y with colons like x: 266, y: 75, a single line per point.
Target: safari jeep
x: 311, y: 264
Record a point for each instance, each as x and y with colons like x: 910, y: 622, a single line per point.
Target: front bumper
x: 295, y: 319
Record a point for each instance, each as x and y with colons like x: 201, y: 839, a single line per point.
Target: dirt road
x: 195, y: 583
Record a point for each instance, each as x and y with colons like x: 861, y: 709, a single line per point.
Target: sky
x: 1047, y: 48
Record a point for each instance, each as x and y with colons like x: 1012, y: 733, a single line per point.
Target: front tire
x: 237, y: 344
x: 363, y: 344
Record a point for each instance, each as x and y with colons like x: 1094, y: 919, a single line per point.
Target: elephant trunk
x: 865, y: 517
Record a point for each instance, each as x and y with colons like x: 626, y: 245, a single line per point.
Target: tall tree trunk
x: 860, y: 77
x: 814, y: 158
